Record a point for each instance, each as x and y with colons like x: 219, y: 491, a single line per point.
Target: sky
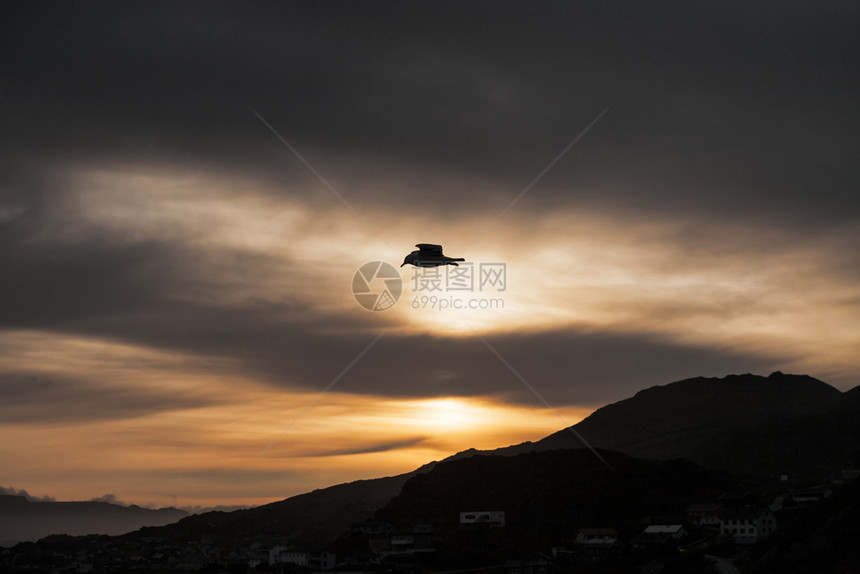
x: 643, y: 192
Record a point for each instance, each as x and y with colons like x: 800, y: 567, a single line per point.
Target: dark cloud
x: 563, y: 367
x: 361, y: 449
x: 30, y: 399
x: 730, y: 109
x: 143, y: 293
x: 732, y: 106
x: 736, y: 122
x: 132, y: 294
x: 56, y: 285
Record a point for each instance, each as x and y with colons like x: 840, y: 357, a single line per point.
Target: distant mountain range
x: 760, y: 426
x: 22, y: 519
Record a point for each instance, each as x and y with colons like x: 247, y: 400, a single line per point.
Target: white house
x: 704, y: 514
x: 747, y: 524
x: 492, y: 518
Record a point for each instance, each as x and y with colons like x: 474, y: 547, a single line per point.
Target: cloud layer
x: 186, y: 193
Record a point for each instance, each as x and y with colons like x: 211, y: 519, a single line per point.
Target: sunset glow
x: 639, y: 198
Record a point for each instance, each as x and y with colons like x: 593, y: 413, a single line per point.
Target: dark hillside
x: 780, y: 424
x: 677, y: 416
x: 553, y: 493
x: 817, y: 540
x: 312, y: 520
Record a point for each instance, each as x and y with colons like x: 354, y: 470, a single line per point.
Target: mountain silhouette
x: 672, y: 419
x: 755, y: 425
x: 746, y: 423
x: 556, y: 491
x: 312, y: 520
x: 22, y: 519
x: 781, y: 424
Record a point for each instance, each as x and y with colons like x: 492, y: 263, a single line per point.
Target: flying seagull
x: 429, y: 255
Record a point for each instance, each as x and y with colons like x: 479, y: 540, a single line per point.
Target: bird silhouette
x: 429, y: 255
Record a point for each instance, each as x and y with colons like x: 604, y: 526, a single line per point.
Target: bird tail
x: 457, y: 259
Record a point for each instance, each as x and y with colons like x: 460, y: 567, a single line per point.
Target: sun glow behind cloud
x: 198, y: 426
x: 230, y: 440
x: 739, y: 284
x: 735, y: 285
x: 175, y: 278
x: 589, y: 268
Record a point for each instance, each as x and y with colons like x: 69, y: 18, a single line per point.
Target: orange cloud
x: 115, y: 401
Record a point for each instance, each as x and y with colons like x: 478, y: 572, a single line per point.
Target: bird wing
x: 429, y: 248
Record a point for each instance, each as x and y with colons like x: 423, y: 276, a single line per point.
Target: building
x: 596, y: 535
x: 407, y: 543
x: 491, y: 518
x: 316, y: 561
x: 707, y: 515
x: 372, y: 527
x: 810, y: 495
x: 535, y: 563
x: 659, y: 538
x: 747, y: 524
x: 675, y: 531
x: 596, y: 542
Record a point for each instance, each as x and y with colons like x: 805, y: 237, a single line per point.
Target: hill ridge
x: 22, y: 519
x: 755, y: 424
